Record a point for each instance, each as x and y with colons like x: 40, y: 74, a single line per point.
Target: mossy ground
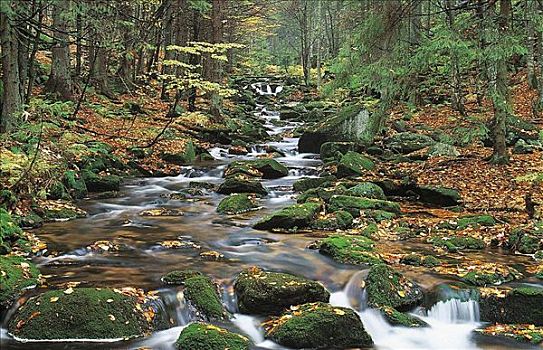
x: 16, y: 273
x: 202, y: 336
x: 84, y: 313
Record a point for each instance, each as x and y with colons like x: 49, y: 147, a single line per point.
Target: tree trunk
x: 35, y: 48
x: 457, y: 94
x: 499, y: 90
x: 11, y: 97
x: 530, y: 43
x: 60, y: 82
x: 216, y: 74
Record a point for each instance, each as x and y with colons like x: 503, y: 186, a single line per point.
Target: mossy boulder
x: 237, y: 203
x: 355, y: 204
x: 319, y: 326
x: 441, y: 196
x: 178, y: 277
x: 458, y: 243
x: 415, y: 259
x: 265, y: 168
x: 83, y: 313
x: 525, y: 241
x: 353, y: 250
x: 266, y: 293
x: 367, y: 190
x: 57, y: 190
x: 29, y: 221
x: 407, y: 142
x: 378, y: 215
x: 475, y: 221
x: 339, y: 220
x: 291, y: 218
x: 101, y: 183
x: 305, y: 184
x: 354, y: 164
x: 387, y: 287
x: 200, y: 336
x: 487, y: 277
x: 519, y: 305
x: 75, y: 184
x: 187, y: 156
x: 202, y: 293
x: 333, y: 149
x: 396, y: 318
x: 10, y: 232
x: 241, y: 184
x: 16, y: 274
x: 324, y: 193
x: 441, y: 149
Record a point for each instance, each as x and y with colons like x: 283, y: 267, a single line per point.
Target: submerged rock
x: 350, y: 249
x: 200, y: 336
x: 318, y: 326
x: 291, y: 218
x: 458, y: 243
x: 16, y: 274
x: 386, y: 287
x: 518, y: 305
x: 237, y: 204
x: 266, y: 293
x: 84, y: 313
x: 354, y: 164
x: 178, y: 277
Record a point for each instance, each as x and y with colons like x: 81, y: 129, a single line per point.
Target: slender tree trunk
x: 168, y: 40
x: 60, y: 81
x: 499, y: 90
x: 538, y: 105
x: 530, y: 43
x: 457, y: 96
x: 78, y: 44
x: 11, y: 97
x: 35, y: 48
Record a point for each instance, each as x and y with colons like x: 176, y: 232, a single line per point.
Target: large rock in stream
x: 204, y: 336
x: 241, y: 184
x: 353, y: 123
x: 16, y: 274
x: 319, y: 326
x: 87, y: 313
x: 267, y: 293
x: 265, y: 168
x: 291, y: 218
x: 518, y: 305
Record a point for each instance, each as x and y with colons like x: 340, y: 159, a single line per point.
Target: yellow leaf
x: 53, y: 299
x: 401, y: 293
x: 69, y: 291
x: 339, y: 312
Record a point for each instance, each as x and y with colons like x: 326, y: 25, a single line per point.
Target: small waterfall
x: 455, y: 311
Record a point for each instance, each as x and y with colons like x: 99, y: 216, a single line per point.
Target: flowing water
x: 141, y: 261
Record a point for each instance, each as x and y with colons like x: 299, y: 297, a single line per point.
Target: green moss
x: 31, y: 220
x: 86, y: 313
x: 412, y: 259
x: 237, y: 204
x: 520, y: 305
x: 320, y: 326
x: 241, y: 184
x: 354, y: 164
x: 324, y: 193
x: 368, y: 190
x: 305, y: 184
x: 430, y: 261
x: 187, y: 156
x: 407, y: 142
x: 202, y: 293
x: 75, y: 185
x: 396, y: 318
x: 265, y: 293
x: 386, y: 287
x: 99, y: 183
x: 270, y: 168
x: 482, y: 278
x: 202, y: 336
x: 355, y: 204
x: 379, y: 215
x: 16, y: 273
x: 57, y: 191
x: 178, y: 277
x: 458, y: 243
x: 475, y: 221
x: 62, y: 214
x: 334, y: 221
x: 350, y: 250
x: 331, y: 149
x: 8, y: 199
x: 10, y: 232
x: 291, y: 218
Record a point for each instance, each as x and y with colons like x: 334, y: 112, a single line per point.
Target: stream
x: 142, y: 260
